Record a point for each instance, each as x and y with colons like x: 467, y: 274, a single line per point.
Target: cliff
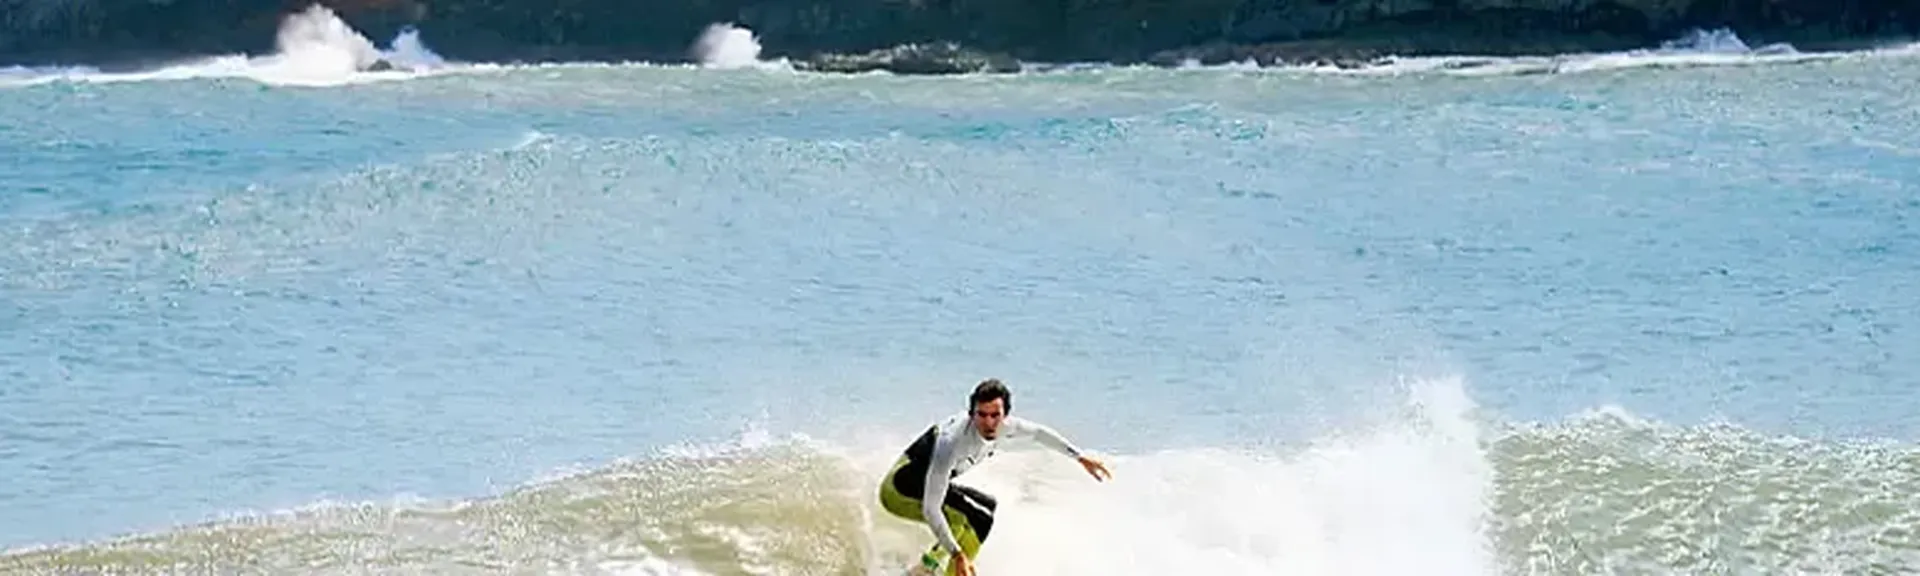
x: 101, y: 32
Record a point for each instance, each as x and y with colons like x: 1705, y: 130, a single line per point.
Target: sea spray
x: 315, y: 46
x: 726, y: 46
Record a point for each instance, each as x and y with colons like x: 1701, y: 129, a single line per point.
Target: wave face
x: 1433, y: 493
x: 515, y: 320
x: 1610, y: 493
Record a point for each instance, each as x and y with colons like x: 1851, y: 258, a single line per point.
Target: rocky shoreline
x: 948, y: 36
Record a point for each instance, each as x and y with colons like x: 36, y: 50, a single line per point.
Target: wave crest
x: 1413, y: 488
x: 1424, y: 492
x: 313, y: 47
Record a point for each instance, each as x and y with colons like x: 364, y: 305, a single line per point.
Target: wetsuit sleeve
x: 934, y: 496
x: 1045, y: 435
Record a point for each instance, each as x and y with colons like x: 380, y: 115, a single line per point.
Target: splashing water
x: 315, y: 46
x: 1410, y: 496
x: 411, y: 53
x: 1721, y: 41
x: 726, y: 46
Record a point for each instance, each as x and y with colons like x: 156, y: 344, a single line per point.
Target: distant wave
x: 313, y: 48
x: 316, y: 48
x: 1695, y: 49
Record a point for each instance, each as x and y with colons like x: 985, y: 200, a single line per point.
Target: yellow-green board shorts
x: 969, y: 511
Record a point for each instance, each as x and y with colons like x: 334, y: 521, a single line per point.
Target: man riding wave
x: 962, y: 516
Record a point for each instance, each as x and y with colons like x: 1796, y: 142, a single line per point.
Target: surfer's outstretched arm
x: 1047, y: 436
x: 1043, y: 434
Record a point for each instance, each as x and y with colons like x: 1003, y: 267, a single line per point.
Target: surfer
x: 962, y: 516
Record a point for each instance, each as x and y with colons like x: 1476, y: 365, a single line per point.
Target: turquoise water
x: 644, y: 319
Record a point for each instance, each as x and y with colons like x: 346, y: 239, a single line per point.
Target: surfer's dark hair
x: 989, y: 390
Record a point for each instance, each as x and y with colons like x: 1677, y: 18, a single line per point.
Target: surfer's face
x: 987, y: 416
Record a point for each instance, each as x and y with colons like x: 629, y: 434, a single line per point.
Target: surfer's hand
x: 961, y: 566
x: 1095, y: 468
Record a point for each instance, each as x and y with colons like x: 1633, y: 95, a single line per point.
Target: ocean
x: 1636, y: 313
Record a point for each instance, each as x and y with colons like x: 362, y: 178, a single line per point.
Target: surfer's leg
x: 963, y: 533
x: 975, y: 507
x: 966, y: 510
x: 908, y: 508
x: 970, y: 513
x: 895, y: 503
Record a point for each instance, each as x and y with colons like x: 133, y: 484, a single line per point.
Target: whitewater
x: 349, y: 308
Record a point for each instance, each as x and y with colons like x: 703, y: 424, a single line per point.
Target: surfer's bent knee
x: 969, y: 511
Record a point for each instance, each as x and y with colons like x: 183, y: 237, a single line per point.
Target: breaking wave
x: 313, y: 47
x: 1695, y: 49
x: 1432, y: 490
x: 316, y: 48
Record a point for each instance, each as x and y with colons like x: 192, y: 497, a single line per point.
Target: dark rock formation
x: 938, y: 58
x: 929, y: 35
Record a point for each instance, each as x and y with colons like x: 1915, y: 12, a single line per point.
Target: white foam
x: 15, y: 74
x: 313, y: 47
x: 1719, y: 47
x: 1696, y: 48
x: 726, y: 46
x: 1409, y: 497
x: 409, y: 52
x: 648, y: 566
